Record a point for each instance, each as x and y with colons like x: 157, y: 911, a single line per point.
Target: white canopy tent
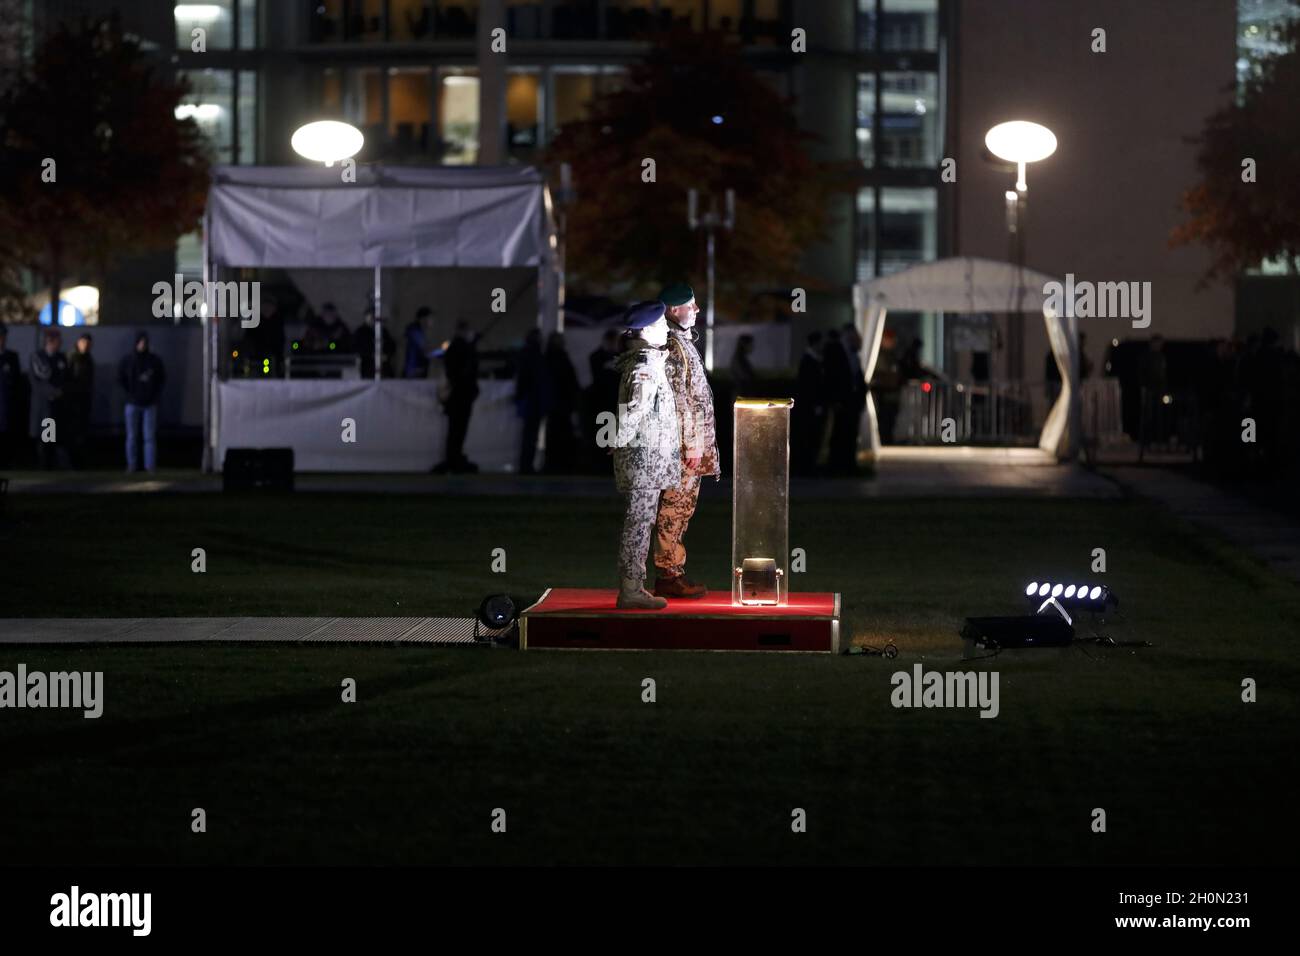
x: 973, y: 285
x: 302, y: 217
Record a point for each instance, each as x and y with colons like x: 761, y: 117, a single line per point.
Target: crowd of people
x: 56, y: 395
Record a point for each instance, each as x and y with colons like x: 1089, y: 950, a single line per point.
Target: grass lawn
x: 587, y: 773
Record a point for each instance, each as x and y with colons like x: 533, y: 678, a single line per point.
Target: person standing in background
x: 561, y: 442
x: 81, y: 395
x: 460, y: 362
x: 11, y: 373
x: 809, y: 413
x: 532, y: 397
x: 416, y: 364
x: 49, y: 374
x: 142, y: 376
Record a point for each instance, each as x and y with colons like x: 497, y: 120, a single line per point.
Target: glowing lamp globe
x: 1020, y: 142
x: 327, y: 141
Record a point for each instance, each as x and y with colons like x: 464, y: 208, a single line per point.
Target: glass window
x: 247, y: 117
x: 576, y: 86
x: 209, y: 103
x: 214, y: 17
x: 908, y: 224
x: 331, y: 92
x: 909, y: 119
x: 326, y: 20
x: 365, y: 22
x: 682, y: 14
x: 524, y: 19
x: 456, y: 19
x: 726, y: 15
x: 363, y: 102
x: 575, y: 19
x: 628, y: 19
x: 909, y: 25
x: 410, y: 108
x: 866, y: 117
x: 458, y: 116
x: 866, y: 24
x: 410, y: 20
x: 248, y: 24
x: 866, y: 234
x: 523, y: 110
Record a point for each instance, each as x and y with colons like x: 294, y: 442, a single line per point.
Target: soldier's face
x: 684, y: 315
x: 657, y: 333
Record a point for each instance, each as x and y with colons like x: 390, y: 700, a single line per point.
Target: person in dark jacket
x: 11, y: 374
x: 532, y: 397
x: 80, y: 395
x: 363, y: 342
x: 460, y: 362
x: 417, y: 344
x: 809, y: 414
x: 49, y: 374
x: 142, y: 376
x: 561, y: 438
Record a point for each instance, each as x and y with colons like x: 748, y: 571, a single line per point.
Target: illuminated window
x: 247, y: 147
x: 866, y: 120
x: 523, y: 110
x: 908, y: 228
x: 909, y: 119
x: 210, y: 104
x: 410, y: 108
x: 458, y: 122
x: 908, y: 25
x: 214, y: 17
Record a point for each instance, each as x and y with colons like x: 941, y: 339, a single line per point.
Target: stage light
x: 1032, y: 589
x: 1069, y: 592
x: 327, y: 141
x: 1095, y: 597
x: 1043, y: 589
x: 1057, y: 589
x: 497, y: 611
x: 1094, y: 593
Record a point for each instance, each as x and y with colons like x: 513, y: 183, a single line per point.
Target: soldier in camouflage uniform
x: 647, y: 457
x: 699, y: 448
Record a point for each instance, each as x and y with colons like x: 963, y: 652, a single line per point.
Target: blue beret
x: 675, y: 294
x: 643, y: 314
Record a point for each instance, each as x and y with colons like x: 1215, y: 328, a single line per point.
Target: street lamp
x: 327, y: 141
x: 1020, y: 142
x: 710, y: 222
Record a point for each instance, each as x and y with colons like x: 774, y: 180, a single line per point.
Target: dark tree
x: 1243, y: 222
x: 625, y: 230
x: 127, y: 175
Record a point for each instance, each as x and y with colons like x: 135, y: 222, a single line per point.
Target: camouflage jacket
x: 647, y: 448
x: 685, y: 371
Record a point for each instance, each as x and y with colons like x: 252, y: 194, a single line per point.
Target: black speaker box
x: 1029, y: 630
x: 257, y: 469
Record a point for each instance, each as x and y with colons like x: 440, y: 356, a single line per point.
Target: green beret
x: 675, y: 294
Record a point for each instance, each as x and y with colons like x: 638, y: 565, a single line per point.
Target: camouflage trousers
x: 676, y: 505
x: 638, y: 521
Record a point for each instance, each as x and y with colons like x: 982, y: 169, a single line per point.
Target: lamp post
x: 710, y: 222
x: 327, y: 141
x: 1019, y: 142
x: 564, y: 197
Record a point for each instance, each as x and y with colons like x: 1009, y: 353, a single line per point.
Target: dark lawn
x: 258, y: 736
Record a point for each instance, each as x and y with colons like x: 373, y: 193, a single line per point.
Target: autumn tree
x: 94, y: 162
x: 707, y: 120
x: 1246, y: 208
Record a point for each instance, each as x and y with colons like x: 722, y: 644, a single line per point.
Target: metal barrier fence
x: 1003, y: 413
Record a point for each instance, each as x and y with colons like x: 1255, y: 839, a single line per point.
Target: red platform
x: 587, y: 618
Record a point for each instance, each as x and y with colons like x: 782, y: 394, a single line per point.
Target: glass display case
x: 760, y: 506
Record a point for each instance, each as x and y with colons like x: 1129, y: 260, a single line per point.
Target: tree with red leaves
x: 94, y: 162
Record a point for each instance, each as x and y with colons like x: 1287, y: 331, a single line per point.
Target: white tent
x: 302, y: 217
x: 974, y: 285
